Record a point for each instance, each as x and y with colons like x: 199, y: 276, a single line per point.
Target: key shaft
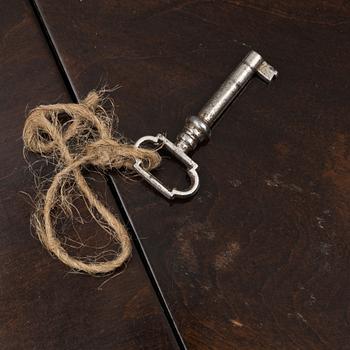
x: 198, y: 128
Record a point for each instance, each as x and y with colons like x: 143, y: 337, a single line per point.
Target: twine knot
x: 74, y: 136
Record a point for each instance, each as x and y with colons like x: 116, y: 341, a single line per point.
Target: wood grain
x: 259, y: 259
x: 42, y: 306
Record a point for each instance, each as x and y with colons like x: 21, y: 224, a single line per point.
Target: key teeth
x: 267, y: 72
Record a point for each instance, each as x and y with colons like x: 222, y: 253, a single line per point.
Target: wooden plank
x: 259, y: 259
x: 41, y: 305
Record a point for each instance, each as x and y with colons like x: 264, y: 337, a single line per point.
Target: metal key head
x: 191, y: 168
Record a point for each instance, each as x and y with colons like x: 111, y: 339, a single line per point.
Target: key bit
x: 198, y: 128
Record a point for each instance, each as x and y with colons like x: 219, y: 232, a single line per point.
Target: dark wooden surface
x: 259, y: 259
x: 42, y: 306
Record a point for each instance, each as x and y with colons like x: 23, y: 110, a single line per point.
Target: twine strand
x: 74, y: 136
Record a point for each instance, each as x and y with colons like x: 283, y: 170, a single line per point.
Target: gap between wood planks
x: 112, y: 185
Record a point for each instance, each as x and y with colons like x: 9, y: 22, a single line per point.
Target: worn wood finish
x: 42, y: 306
x: 259, y: 259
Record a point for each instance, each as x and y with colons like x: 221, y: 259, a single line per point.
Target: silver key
x: 198, y: 128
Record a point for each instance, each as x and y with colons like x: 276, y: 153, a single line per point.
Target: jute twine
x: 74, y: 136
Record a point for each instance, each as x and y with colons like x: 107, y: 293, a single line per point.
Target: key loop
x: 190, y: 165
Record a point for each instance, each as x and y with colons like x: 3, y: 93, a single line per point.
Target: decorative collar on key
x: 198, y: 128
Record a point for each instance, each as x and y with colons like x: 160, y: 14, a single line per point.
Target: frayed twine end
x: 74, y: 136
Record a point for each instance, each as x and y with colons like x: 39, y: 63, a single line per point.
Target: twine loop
x: 74, y: 136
